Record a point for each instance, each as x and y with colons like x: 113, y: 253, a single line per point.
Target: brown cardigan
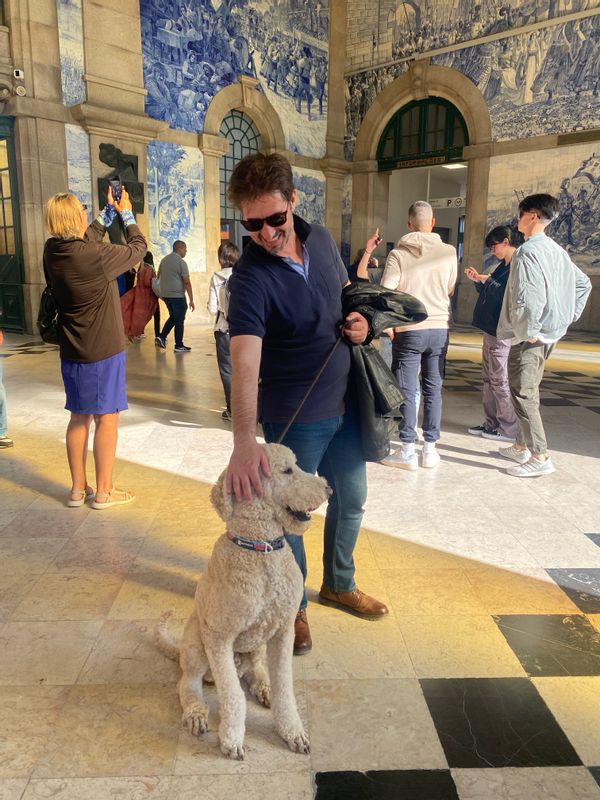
x: 82, y: 274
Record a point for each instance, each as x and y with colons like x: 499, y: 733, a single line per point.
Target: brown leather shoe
x: 355, y: 602
x: 302, y: 640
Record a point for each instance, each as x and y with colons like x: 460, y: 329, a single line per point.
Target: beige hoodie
x: 423, y: 266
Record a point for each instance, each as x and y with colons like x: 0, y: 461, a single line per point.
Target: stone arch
x: 370, y: 187
x: 243, y: 96
x: 422, y: 81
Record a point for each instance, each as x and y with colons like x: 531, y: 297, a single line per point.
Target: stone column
x: 212, y: 148
x: 336, y: 101
x: 335, y: 171
x: 370, y: 197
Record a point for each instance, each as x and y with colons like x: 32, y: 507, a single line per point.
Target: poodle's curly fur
x: 245, y: 607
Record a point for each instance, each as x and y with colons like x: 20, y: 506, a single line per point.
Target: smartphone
x: 116, y: 188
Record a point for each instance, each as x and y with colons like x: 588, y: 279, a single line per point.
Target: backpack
x: 223, y: 295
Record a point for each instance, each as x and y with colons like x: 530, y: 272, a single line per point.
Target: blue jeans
x: 3, y: 422
x: 425, y: 350
x: 332, y: 448
x: 177, y: 310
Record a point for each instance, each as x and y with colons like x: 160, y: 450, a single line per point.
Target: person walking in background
x: 149, y: 260
x: 174, y: 283
x: 546, y: 292
x: 367, y: 269
x: 139, y: 304
x: 423, y: 266
x: 5, y: 440
x: 218, y: 306
x: 500, y: 421
x: 82, y: 270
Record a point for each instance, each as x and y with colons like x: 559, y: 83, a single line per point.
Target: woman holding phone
x: 81, y: 270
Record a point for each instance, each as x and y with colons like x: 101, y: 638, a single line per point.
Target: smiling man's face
x: 277, y: 240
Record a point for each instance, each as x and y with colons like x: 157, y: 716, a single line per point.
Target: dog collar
x: 252, y: 544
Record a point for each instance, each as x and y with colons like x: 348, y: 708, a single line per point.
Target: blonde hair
x: 62, y: 216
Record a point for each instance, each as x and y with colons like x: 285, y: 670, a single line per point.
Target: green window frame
x: 423, y: 129
x: 244, y: 139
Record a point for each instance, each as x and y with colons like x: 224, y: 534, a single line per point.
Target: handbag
x: 156, y: 287
x: 47, y: 319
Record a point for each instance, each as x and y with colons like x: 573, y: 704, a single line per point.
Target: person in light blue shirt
x: 546, y: 292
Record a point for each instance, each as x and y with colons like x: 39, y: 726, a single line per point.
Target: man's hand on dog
x: 244, y: 472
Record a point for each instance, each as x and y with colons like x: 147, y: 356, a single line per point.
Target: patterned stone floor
x: 483, y: 682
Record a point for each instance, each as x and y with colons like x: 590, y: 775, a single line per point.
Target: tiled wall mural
x: 176, y: 201
x: 547, y: 81
x: 191, y: 51
x: 79, y: 167
x: 570, y: 173
x: 429, y: 24
x: 310, y: 195
x: 70, y: 39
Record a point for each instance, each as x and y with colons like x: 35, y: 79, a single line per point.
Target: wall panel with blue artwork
x: 570, y: 173
x: 192, y: 51
x: 70, y: 38
x: 79, y: 167
x: 176, y: 201
x: 310, y: 195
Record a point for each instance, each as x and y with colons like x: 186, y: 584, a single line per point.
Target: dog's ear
x: 221, y: 499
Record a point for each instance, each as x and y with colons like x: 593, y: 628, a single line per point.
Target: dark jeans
x: 157, y: 320
x: 424, y: 349
x: 177, y: 307
x: 332, y: 448
x: 224, y: 362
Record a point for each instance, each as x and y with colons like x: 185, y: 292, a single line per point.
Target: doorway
x: 12, y: 315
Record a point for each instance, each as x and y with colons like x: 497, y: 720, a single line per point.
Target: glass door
x: 11, y: 261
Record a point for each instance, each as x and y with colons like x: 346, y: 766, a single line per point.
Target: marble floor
x: 483, y: 682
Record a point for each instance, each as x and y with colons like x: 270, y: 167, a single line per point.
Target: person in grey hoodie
x: 423, y: 266
x: 546, y: 292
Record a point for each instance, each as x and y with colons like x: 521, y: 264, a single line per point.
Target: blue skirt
x: 96, y: 388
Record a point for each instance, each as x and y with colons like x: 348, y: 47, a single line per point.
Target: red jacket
x: 139, y: 304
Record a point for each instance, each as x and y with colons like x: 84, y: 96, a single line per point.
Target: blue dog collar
x: 259, y: 547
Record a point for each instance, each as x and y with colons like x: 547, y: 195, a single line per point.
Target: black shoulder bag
x: 47, y: 320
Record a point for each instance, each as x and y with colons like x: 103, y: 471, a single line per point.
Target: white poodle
x: 246, y: 603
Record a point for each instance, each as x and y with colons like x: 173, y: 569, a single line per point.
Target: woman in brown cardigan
x: 81, y: 270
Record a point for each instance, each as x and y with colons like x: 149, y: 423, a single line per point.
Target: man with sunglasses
x: 546, y: 292
x: 285, y: 315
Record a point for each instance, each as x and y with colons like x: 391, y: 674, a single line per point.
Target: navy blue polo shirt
x: 298, y: 320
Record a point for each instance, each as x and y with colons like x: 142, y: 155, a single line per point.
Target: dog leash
x: 308, y: 391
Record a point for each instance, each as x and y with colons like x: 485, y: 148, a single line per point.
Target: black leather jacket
x: 375, y: 389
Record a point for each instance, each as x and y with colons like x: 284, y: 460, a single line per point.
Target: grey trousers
x: 497, y: 404
x: 526, y: 364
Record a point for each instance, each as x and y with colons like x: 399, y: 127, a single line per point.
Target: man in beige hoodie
x: 423, y: 266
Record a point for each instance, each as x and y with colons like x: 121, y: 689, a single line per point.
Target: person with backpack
x: 218, y: 305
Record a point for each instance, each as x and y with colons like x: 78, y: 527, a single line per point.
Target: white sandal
x: 107, y: 499
x: 85, y: 494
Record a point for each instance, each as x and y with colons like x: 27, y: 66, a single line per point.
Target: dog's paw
x: 195, y: 719
x: 233, y: 750
x: 262, y: 692
x: 298, y: 743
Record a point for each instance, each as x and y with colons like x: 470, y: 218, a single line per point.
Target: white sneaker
x: 532, y: 468
x: 401, y: 460
x: 430, y: 458
x: 515, y: 454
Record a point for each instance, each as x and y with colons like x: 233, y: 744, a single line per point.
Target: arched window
x: 244, y: 139
x: 430, y: 130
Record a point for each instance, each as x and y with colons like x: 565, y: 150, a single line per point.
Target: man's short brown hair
x: 259, y: 174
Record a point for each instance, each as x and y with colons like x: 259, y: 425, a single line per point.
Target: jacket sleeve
x: 391, y: 273
x: 583, y: 287
x: 213, y: 298
x: 453, y: 275
x: 118, y: 258
x: 528, y: 298
x: 95, y: 232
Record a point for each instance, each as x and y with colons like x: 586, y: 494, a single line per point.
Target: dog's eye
x: 288, y: 471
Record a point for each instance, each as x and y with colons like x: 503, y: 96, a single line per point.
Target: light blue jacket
x: 546, y: 292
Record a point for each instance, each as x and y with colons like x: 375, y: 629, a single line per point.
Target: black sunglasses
x: 274, y: 221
